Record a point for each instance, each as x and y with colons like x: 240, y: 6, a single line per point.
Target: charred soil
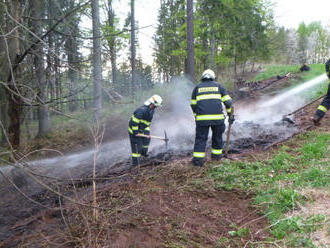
x: 169, y: 206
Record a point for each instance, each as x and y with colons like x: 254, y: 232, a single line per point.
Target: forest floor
x: 169, y: 205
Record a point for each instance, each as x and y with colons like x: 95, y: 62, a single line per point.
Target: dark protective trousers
x: 145, y: 143
x: 202, y: 133
x: 139, y: 146
x: 325, y: 105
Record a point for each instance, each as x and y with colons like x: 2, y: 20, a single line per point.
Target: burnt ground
x: 167, y: 206
x: 173, y: 205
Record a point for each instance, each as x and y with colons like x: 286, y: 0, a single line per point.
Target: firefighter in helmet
x: 325, y: 104
x: 140, y: 124
x: 206, y: 103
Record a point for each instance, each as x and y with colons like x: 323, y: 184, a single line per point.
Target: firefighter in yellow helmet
x: 206, y: 103
x: 140, y: 124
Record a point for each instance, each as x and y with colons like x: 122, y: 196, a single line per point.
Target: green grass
x: 277, y: 183
x: 316, y: 70
x: 274, y: 70
x: 317, y: 91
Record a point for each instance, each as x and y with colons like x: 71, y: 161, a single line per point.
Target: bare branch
x: 21, y: 57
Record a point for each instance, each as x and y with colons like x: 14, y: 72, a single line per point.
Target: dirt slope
x: 174, y: 205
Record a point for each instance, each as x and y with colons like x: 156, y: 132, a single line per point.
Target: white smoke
x: 270, y: 109
x: 175, y: 117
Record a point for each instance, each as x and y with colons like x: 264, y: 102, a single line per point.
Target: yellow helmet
x: 155, y: 100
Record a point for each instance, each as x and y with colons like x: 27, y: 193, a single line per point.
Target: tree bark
x: 235, y: 61
x: 3, y: 116
x: 190, y: 41
x: 43, y: 114
x: 3, y: 73
x: 73, y: 60
x: 212, y: 63
x: 13, y: 91
x: 97, y: 63
x: 133, y: 51
x: 112, y: 42
x: 50, y: 77
x: 57, y: 79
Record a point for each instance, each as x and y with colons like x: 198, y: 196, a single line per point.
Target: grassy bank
x: 274, y: 70
x: 281, y: 185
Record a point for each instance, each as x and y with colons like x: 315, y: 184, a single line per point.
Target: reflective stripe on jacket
x: 325, y: 104
x: 140, y: 120
x: 206, y: 103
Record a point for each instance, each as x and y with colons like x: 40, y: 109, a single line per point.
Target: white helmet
x: 155, y: 100
x: 208, y: 74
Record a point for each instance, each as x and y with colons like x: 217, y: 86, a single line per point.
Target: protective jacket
x: 206, y: 103
x: 140, y: 120
x: 325, y: 105
x: 140, y: 123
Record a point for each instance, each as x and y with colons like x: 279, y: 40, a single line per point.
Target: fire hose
x: 288, y: 119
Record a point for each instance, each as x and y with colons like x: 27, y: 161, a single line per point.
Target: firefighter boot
x: 316, y: 119
x: 144, y: 152
x: 198, y: 162
x: 135, y: 161
x: 216, y: 157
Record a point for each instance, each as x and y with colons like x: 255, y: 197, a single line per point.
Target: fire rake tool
x: 228, y: 139
x: 165, y: 138
x: 228, y: 135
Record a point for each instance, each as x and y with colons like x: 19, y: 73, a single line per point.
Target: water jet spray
x: 280, y: 98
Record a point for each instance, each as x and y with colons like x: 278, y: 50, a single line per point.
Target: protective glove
x: 231, y: 119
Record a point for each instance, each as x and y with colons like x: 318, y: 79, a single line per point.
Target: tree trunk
x: 3, y: 74
x: 133, y: 51
x: 112, y: 42
x: 43, y: 114
x: 57, y: 79
x: 212, y: 64
x: 235, y: 61
x: 3, y: 116
x: 190, y: 41
x: 97, y: 63
x: 50, y: 77
x: 72, y: 52
x: 13, y: 93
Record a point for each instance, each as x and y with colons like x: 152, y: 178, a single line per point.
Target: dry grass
x: 319, y: 205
